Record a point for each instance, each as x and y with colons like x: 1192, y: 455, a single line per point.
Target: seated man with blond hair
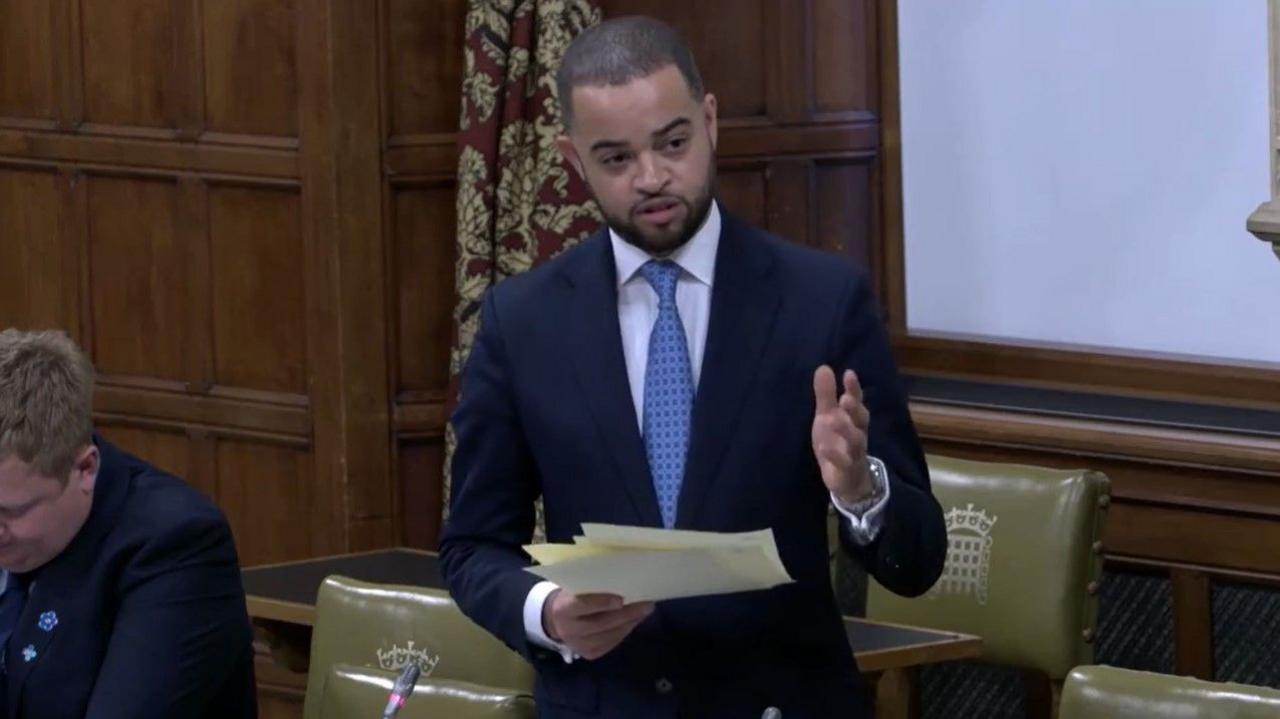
x: 120, y: 591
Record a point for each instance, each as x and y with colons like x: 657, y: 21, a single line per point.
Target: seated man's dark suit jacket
x: 546, y: 409
x: 150, y: 612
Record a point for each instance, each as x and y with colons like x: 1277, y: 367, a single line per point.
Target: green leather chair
x: 1023, y: 565
x: 360, y: 692
x: 380, y: 626
x: 1125, y: 694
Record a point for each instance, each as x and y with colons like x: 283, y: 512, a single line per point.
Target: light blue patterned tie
x: 668, y: 391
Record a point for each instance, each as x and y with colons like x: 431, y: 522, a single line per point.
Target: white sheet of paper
x: 645, y: 564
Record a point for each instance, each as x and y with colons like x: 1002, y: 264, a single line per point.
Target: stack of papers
x: 642, y: 564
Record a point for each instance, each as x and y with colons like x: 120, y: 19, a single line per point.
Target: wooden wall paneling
x: 728, y: 38
x: 421, y: 472
x: 187, y: 79
x: 191, y: 230
x: 892, y: 269
x: 423, y: 65
x: 130, y: 61
x: 422, y: 271
x: 27, y: 43
x: 111, y: 153
x: 343, y: 230
x: 39, y: 274
x: 68, y: 65
x: 170, y: 451
x: 845, y: 36
x: 741, y: 186
x: 268, y: 492
x: 789, y: 200
x: 788, y: 51
x: 251, y: 68
x: 844, y: 211
x: 1192, y: 624
x: 140, y: 278
x: 259, y: 296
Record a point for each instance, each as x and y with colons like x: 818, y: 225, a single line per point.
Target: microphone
x: 401, y: 690
x: 772, y: 713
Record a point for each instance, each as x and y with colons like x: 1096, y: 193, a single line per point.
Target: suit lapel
x: 39, y: 623
x: 744, y: 305
x: 596, y: 348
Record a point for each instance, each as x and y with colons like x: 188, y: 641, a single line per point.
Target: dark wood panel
x: 39, y: 269
x: 140, y: 300
x: 742, y: 190
x: 130, y: 62
x: 250, y: 69
x: 1001, y: 430
x: 259, y: 299
x: 168, y: 451
x: 844, y: 210
x: 1220, y: 540
x: 845, y: 53
x: 419, y: 415
x: 1192, y: 624
x: 26, y: 59
x: 224, y: 409
x: 1158, y: 376
x: 19, y: 147
x: 424, y: 40
x: 422, y: 253
x: 345, y: 264
x: 420, y: 469
x: 725, y: 36
x: 269, y: 499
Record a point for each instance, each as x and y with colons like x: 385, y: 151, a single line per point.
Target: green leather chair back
x: 359, y: 692
x: 1023, y: 563
x: 385, y: 627
x: 1125, y: 694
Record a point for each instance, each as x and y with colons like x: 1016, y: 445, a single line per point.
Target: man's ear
x: 85, y: 472
x: 570, y: 153
x: 709, y: 116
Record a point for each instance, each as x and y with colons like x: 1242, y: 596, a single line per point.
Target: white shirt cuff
x: 867, y: 517
x: 533, y: 604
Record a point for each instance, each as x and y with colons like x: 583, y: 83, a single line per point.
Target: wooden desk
x: 282, y: 599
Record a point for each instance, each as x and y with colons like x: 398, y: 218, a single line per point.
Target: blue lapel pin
x: 48, y: 621
x: 29, y: 653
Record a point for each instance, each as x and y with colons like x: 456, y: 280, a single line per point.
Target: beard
x: 662, y: 241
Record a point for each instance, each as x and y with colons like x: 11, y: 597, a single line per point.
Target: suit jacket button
x: 663, y: 686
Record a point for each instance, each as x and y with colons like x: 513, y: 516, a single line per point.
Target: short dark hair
x: 618, y: 51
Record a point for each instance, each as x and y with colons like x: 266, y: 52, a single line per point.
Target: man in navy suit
x: 679, y: 369
x: 121, y: 592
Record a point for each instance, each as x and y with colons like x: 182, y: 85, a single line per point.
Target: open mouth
x: 658, y: 211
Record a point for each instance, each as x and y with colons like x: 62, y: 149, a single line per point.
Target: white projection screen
x: 1080, y: 172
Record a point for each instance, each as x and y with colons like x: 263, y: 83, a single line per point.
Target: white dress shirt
x: 637, y: 312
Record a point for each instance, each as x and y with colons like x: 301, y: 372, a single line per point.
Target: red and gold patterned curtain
x: 519, y: 203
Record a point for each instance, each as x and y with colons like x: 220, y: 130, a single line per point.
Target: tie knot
x: 662, y: 276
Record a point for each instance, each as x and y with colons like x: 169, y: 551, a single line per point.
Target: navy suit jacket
x: 546, y: 409
x: 142, y: 616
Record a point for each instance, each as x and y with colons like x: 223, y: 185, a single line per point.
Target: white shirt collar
x: 697, y: 257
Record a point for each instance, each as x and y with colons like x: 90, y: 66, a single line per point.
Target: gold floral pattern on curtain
x: 519, y: 202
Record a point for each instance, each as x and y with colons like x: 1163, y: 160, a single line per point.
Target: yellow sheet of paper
x: 546, y: 554
x: 645, y: 564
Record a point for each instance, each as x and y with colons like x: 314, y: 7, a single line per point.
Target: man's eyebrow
x: 679, y: 121
x: 607, y: 145
x: 615, y: 144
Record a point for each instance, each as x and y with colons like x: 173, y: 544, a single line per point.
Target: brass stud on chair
x: 1092, y: 589
x: 1097, y: 547
x: 1104, y: 501
x: 1088, y: 635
